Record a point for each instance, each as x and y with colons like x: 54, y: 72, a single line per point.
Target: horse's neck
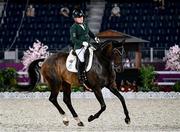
x: 102, y: 58
x: 107, y: 51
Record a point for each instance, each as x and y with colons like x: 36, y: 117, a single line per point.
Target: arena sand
x: 41, y: 115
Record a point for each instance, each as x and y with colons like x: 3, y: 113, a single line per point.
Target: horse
x: 102, y: 74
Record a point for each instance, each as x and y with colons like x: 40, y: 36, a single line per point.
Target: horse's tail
x: 34, y: 73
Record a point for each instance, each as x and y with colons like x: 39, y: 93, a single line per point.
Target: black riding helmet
x: 77, y: 13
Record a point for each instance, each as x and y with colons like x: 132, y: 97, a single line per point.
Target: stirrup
x: 84, y: 81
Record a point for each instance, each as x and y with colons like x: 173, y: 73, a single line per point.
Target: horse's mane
x: 105, y: 43
x: 107, y: 46
x: 114, y: 43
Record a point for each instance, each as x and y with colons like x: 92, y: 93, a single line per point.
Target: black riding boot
x: 82, y: 75
x: 81, y: 72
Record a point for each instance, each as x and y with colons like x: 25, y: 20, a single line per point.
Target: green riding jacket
x: 78, y: 35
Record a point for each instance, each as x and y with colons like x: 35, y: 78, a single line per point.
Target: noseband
x: 120, y: 51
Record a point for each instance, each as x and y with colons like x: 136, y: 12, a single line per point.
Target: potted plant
x: 8, y: 79
x: 176, y: 87
x: 147, y: 77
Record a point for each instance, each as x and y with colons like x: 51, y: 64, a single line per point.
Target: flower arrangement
x: 172, y: 58
x: 38, y: 51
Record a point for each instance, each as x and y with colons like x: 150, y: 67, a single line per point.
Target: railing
x: 17, y: 54
x: 23, y: 78
x: 167, y: 77
x: 153, y: 55
x: 163, y: 78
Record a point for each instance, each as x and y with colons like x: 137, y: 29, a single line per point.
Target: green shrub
x: 41, y: 88
x: 77, y: 89
x: 10, y: 76
x: 147, y: 79
x: 8, y: 79
x: 176, y: 87
x: 1, y: 81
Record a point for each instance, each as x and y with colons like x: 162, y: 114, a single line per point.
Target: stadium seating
x: 138, y: 18
x: 143, y: 20
x: 48, y: 25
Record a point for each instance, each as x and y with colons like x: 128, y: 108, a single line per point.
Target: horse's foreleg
x: 67, y: 101
x: 121, y: 98
x: 53, y: 99
x: 100, y: 98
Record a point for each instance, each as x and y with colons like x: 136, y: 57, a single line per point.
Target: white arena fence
x: 89, y: 95
x: 168, y: 79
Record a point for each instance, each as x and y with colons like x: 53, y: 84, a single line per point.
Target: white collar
x: 82, y: 26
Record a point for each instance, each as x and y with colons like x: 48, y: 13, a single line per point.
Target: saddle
x: 72, y: 60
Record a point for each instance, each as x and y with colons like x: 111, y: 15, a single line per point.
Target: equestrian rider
x: 80, y: 37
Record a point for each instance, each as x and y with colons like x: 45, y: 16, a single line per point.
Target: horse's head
x: 113, y: 50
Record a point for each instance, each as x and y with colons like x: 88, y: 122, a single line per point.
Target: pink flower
x: 38, y: 51
x: 173, y: 58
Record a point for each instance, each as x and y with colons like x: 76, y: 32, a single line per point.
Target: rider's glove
x: 85, y: 44
x: 97, y: 40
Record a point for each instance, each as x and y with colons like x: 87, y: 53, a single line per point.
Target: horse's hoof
x: 91, y: 118
x: 127, y: 120
x: 66, y: 123
x: 80, y: 124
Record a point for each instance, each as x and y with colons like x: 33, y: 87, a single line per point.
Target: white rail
x: 168, y: 80
x: 167, y: 72
x: 21, y: 74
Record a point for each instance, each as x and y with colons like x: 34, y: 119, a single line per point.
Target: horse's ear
x: 117, y: 43
x: 123, y: 41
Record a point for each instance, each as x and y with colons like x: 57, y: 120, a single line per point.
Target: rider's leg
x: 81, y: 64
x: 80, y: 67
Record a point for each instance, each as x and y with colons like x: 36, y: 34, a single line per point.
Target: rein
x: 116, y: 50
x: 120, y: 51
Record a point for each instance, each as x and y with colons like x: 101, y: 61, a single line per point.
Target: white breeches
x: 80, y: 53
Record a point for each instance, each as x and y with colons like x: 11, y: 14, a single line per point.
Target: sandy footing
x: 41, y: 115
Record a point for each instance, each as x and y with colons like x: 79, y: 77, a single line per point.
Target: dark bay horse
x: 101, y: 74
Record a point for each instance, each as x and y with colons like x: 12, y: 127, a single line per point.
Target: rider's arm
x: 91, y: 34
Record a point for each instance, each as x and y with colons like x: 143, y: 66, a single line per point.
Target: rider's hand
x: 85, y: 44
x: 97, y: 40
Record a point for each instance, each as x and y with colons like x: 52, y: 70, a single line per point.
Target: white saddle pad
x: 72, y: 59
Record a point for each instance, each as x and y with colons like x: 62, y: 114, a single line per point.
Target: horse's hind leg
x: 121, y: 98
x: 100, y: 98
x: 67, y: 101
x: 53, y: 99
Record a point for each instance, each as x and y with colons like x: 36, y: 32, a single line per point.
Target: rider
x: 80, y: 37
